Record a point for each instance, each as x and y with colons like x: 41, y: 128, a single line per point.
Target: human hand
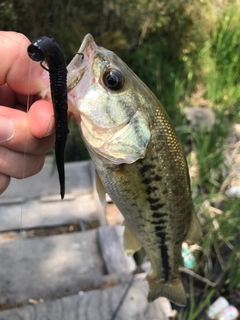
x: 25, y: 138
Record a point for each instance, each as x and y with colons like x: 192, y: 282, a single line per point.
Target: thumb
x: 41, y: 119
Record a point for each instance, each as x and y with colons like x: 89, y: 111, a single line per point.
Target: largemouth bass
x: 138, y: 159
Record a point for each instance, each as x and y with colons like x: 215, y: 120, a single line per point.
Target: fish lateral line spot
x: 151, y: 189
x: 164, y: 253
x: 152, y: 200
x: 157, y: 206
x: 159, y: 215
x: 159, y: 222
x: 162, y: 236
x: 147, y: 180
x: 165, y: 262
x: 157, y: 178
x: 160, y: 228
x: 146, y: 168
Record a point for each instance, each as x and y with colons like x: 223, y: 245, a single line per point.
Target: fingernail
x: 7, y: 129
x: 51, y: 127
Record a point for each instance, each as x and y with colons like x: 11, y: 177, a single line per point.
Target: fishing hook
x: 46, y: 49
x: 80, y: 54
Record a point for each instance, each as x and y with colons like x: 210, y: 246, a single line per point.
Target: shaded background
x: 177, y: 47
x: 173, y: 45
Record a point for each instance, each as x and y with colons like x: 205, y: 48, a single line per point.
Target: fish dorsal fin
x: 195, y: 231
x: 130, y: 242
x: 100, y: 190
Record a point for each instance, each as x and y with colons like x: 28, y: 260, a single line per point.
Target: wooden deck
x: 66, y: 263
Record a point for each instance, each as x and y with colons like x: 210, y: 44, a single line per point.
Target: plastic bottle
x: 228, y: 313
x: 219, y: 305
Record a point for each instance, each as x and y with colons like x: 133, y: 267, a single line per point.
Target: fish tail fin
x: 173, y: 290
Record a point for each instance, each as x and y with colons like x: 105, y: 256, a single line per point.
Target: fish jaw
x: 110, y: 124
x: 79, y: 67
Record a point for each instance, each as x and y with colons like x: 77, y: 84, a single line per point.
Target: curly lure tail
x: 46, y: 49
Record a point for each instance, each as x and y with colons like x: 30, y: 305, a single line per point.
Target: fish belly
x: 156, y: 205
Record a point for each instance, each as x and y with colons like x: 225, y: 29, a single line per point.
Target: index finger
x: 17, y: 70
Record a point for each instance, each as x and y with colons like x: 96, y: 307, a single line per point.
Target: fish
x: 139, y: 162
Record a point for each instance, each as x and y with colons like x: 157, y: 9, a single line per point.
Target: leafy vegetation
x: 182, y: 49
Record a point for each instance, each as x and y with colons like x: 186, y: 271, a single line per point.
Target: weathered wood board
x: 77, y: 176
x: 112, y: 250
x: 35, y: 213
x: 94, y: 305
x: 49, y: 267
x: 36, y: 201
x: 54, y: 269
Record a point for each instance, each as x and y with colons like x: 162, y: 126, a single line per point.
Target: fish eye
x: 113, y: 79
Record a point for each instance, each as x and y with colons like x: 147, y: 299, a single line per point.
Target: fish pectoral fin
x: 100, y: 190
x: 195, y: 231
x: 173, y: 290
x: 130, y: 242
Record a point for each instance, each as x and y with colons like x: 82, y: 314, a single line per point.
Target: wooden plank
x: 97, y: 305
x: 35, y: 213
x: 49, y: 267
x: 39, y: 203
x: 77, y: 175
x: 112, y: 250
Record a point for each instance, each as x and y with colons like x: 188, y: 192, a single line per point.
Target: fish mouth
x: 88, y: 41
x: 81, y: 61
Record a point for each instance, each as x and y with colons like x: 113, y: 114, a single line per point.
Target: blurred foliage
x: 159, y: 40
x: 172, y: 45
x: 209, y: 148
x: 75, y: 147
x: 223, y: 82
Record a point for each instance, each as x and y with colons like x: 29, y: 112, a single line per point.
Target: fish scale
x: 139, y: 161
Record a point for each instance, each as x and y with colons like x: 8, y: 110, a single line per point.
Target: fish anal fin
x: 194, y: 234
x: 130, y: 243
x: 173, y: 290
x: 100, y: 190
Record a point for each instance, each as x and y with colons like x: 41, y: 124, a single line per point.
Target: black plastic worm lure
x: 46, y: 49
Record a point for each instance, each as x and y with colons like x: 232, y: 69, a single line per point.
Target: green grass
x: 195, y: 309
x: 223, y: 82
x: 219, y: 260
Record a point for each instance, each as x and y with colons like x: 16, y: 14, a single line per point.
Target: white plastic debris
x: 233, y: 191
x: 219, y: 305
x: 230, y: 313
